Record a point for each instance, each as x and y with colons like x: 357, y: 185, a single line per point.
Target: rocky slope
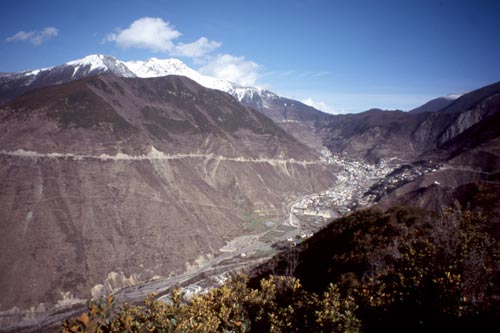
x: 378, y: 134
x: 122, y: 179
x: 466, y: 159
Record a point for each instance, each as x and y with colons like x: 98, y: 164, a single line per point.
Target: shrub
x: 279, y: 305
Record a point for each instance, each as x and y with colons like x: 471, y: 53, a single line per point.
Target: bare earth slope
x: 133, y: 176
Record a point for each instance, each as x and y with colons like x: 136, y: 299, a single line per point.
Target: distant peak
x: 168, y: 62
x: 156, y: 67
x: 94, y: 60
x: 100, y: 63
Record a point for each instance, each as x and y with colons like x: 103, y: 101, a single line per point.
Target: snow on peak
x: 154, y: 67
x: 36, y: 71
x: 95, y: 61
x: 99, y: 62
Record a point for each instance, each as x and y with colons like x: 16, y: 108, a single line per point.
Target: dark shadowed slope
x: 408, y: 269
x: 434, y: 105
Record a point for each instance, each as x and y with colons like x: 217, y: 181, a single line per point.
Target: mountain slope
x: 294, y: 116
x: 406, y: 268
x: 110, y: 181
x: 377, y: 134
x: 436, y: 104
x: 15, y: 84
x: 467, y: 165
x: 474, y: 98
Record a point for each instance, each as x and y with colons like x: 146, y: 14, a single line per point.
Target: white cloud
x: 235, y: 69
x: 147, y: 33
x: 157, y: 35
x: 322, y: 106
x: 34, y: 37
x: 196, y: 49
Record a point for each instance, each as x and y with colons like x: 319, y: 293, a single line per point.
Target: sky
x: 338, y: 56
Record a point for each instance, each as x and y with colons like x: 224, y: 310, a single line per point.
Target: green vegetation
x: 401, y: 270
x: 280, y: 304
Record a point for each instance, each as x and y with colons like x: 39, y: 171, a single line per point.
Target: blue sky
x: 341, y: 56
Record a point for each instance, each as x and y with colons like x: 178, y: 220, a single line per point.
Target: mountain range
x: 124, y: 171
x: 14, y: 84
x: 121, y: 176
x: 293, y: 115
x: 372, y: 135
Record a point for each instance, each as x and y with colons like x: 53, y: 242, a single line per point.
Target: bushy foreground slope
x: 408, y: 269
x: 279, y: 304
x: 401, y: 270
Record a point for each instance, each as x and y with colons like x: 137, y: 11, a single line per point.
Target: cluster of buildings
x: 399, y: 177
x: 353, y: 181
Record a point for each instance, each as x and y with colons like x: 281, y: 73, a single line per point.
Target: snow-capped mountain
x: 100, y: 63
x: 97, y: 64
x: 294, y: 116
x: 154, y: 67
x: 15, y: 84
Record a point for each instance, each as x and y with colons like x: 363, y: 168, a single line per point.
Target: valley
x: 265, y: 236
x: 118, y: 177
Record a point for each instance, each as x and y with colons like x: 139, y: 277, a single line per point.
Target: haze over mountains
x: 132, y: 170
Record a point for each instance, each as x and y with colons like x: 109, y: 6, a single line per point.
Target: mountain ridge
x: 153, y: 67
x: 436, y: 104
x: 377, y: 134
x: 294, y: 116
